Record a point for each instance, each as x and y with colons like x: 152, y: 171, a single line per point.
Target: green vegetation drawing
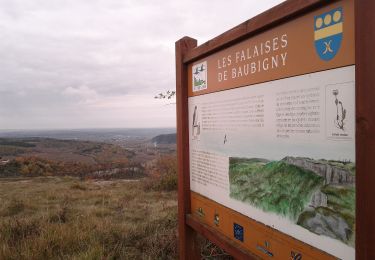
x: 318, y: 195
x: 340, y: 111
x: 198, y: 82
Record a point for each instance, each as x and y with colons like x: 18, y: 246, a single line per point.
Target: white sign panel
x: 282, y: 153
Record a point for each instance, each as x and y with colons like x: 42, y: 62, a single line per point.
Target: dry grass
x: 64, y: 218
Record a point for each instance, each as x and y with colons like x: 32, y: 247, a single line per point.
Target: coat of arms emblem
x: 328, y: 33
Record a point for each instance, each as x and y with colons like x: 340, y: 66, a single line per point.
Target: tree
x: 167, y: 95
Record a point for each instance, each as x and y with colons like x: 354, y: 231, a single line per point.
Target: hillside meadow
x: 71, y: 199
x: 65, y: 218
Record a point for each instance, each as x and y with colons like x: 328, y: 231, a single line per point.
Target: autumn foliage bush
x: 35, y: 166
x: 164, y: 174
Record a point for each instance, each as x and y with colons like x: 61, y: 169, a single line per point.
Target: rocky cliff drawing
x: 318, y: 195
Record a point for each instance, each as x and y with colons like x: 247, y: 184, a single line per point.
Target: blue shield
x: 328, y: 33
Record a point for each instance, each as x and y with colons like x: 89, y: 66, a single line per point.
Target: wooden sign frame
x: 188, y: 52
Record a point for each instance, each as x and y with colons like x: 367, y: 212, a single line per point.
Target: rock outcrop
x: 318, y: 199
x: 324, y: 222
x: 330, y: 173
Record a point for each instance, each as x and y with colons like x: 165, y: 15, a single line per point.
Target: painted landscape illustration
x: 318, y: 195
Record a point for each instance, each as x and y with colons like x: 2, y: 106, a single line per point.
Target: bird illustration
x: 195, y: 116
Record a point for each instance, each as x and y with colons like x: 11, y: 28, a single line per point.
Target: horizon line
x: 83, y: 128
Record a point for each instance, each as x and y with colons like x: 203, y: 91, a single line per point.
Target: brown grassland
x: 62, y: 199
x: 65, y: 218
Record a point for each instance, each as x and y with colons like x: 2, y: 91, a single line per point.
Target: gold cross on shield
x: 328, y: 47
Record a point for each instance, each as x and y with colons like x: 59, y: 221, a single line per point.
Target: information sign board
x: 269, y: 128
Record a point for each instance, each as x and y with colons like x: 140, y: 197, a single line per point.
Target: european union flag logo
x: 328, y: 33
x: 238, y: 231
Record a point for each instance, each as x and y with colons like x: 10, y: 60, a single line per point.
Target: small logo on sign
x: 328, y: 33
x: 199, y: 76
x: 238, y: 232
x: 295, y: 256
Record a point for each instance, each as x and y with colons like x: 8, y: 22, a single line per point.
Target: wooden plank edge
x: 365, y: 128
x: 264, y: 21
x: 218, y: 239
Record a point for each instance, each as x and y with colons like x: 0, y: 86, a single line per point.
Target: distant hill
x: 63, y: 150
x: 164, y: 139
x: 32, y: 157
x: 99, y: 135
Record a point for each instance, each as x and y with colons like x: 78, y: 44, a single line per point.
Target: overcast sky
x: 99, y: 63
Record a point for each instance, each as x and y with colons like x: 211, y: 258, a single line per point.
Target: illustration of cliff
x: 331, y: 173
x: 318, y: 195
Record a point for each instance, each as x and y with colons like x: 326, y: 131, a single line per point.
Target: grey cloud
x: 113, y: 48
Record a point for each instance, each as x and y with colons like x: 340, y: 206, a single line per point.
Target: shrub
x: 164, y: 176
x: 168, y: 182
x: 78, y: 186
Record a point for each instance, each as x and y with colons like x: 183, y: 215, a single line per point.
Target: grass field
x: 64, y: 218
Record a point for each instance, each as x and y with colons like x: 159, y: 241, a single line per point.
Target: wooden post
x: 365, y: 128
x: 187, y: 249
